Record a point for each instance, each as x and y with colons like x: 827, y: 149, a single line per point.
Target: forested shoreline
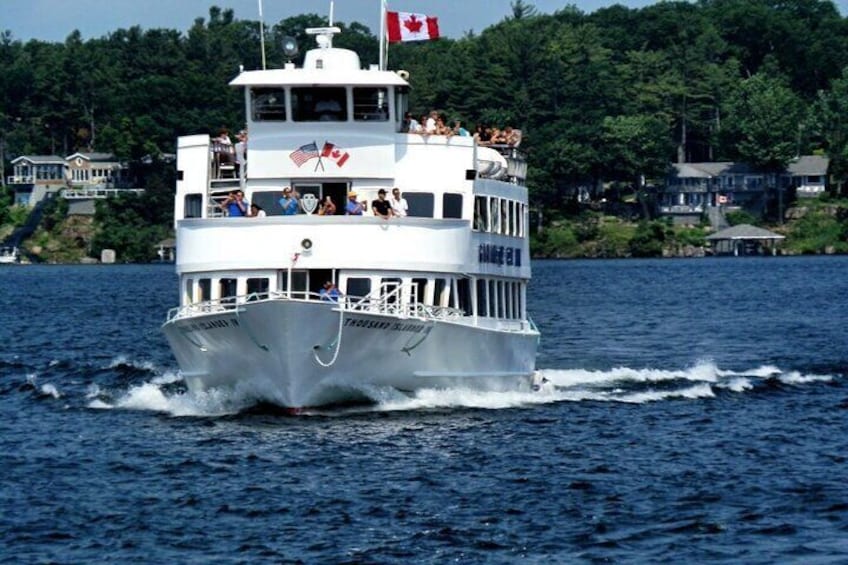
x: 605, y: 100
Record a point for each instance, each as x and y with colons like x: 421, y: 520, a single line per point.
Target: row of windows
x: 500, y: 215
x: 488, y: 298
x: 318, y: 104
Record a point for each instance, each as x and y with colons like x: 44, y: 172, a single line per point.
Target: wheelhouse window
x: 481, y: 213
x: 370, y: 104
x: 257, y: 289
x: 268, y: 104
x: 319, y: 104
x: 268, y: 200
x: 358, y: 287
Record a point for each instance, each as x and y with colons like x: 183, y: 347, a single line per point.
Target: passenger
x: 241, y: 152
x: 513, y: 136
x: 459, y: 130
x: 289, y: 202
x: 328, y: 207
x: 430, y: 122
x: 442, y: 128
x: 256, y: 211
x: 353, y: 208
x: 329, y: 292
x: 498, y: 138
x: 235, y: 204
x: 482, y: 135
x: 381, y: 207
x: 410, y: 124
x: 398, y: 203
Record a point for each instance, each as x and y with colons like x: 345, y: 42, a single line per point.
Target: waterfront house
x: 809, y: 175
x: 35, y: 176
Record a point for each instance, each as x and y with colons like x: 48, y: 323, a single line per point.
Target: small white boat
x: 433, y: 299
x: 9, y: 255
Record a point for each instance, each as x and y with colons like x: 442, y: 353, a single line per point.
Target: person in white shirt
x: 430, y: 124
x: 399, y: 204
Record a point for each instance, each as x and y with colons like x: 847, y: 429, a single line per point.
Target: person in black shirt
x: 381, y: 206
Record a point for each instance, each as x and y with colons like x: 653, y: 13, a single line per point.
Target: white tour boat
x: 435, y: 299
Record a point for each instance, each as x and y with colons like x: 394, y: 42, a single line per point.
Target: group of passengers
x: 236, y: 206
x: 436, y: 124
x: 382, y: 207
x: 227, y: 153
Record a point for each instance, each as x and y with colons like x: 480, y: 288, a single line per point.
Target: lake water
x: 696, y: 410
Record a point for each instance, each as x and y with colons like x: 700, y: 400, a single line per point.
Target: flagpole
x: 262, y: 34
x: 384, y: 55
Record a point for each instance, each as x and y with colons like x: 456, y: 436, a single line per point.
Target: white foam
x: 123, y: 360
x: 149, y: 396
x: 50, y: 390
x: 796, y: 378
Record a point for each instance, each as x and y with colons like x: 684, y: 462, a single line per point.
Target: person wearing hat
x: 381, y: 206
x: 352, y: 208
x: 288, y: 202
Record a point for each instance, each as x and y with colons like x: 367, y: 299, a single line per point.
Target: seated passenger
x: 441, y: 128
x: 430, y: 122
x: 256, y: 211
x: 353, y: 208
x: 410, y: 124
x: 459, y: 130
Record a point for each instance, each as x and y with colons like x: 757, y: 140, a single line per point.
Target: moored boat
x: 9, y: 255
x: 316, y: 308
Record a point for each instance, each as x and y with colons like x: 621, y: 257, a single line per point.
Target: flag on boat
x: 406, y: 26
x: 304, y: 153
x: 335, y: 153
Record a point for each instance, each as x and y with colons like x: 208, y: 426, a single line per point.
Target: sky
x: 54, y: 20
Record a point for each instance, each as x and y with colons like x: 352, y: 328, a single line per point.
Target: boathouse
x: 744, y: 239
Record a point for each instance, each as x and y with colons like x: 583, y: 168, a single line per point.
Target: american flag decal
x: 304, y: 153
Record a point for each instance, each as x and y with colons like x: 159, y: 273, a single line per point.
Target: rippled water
x: 696, y: 410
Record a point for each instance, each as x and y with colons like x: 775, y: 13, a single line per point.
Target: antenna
x: 332, y: 3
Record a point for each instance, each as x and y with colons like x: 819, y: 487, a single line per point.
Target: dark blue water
x: 697, y: 410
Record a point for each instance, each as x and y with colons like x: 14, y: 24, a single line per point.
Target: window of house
x: 268, y: 104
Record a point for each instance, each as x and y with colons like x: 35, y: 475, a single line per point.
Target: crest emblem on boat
x: 309, y: 203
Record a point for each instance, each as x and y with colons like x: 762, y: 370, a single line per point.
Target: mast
x: 384, y: 55
x: 262, y: 34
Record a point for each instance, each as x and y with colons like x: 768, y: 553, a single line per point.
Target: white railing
x: 388, y: 304
x: 80, y: 193
x: 20, y: 179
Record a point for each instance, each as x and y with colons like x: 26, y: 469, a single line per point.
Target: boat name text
x: 390, y: 326
x: 499, y: 255
x: 210, y: 325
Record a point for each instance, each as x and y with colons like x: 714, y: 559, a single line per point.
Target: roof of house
x: 809, y: 165
x: 93, y: 157
x: 41, y: 159
x: 708, y: 170
x: 744, y: 231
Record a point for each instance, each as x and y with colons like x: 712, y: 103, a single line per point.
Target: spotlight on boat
x: 306, y: 244
x: 290, y: 49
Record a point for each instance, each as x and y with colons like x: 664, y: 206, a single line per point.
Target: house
x: 695, y: 190
x: 809, y: 175
x: 95, y: 170
x: 35, y: 176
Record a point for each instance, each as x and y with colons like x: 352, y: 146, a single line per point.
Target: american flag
x: 304, y: 153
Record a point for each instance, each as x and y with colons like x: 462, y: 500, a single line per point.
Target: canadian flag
x: 406, y: 26
x: 335, y: 153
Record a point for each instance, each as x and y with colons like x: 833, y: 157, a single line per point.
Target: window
x: 463, y: 296
x: 269, y: 200
x: 440, y: 293
x: 192, y: 206
x: 257, y: 289
x: 504, y: 216
x: 420, y: 289
x: 188, y: 293
x: 268, y: 104
x: 358, y: 287
x: 493, y: 299
x: 452, y: 206
x: 389, y: 288
x: 495, y: 209
x: 370, y: 104
x: 228, y: 291
x: 482, y: 303
x: 481, y: 213
x: 204, y: 290
x: 420, y: 204
x: 319, y: 104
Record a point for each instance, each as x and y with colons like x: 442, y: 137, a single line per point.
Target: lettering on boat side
x: 390, y: 326
x: 499, y: 255
x: 210, y: 325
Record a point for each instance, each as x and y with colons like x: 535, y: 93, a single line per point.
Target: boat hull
x: 308, y: 353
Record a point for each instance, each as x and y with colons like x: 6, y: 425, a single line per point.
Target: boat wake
x: 165, y: 392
